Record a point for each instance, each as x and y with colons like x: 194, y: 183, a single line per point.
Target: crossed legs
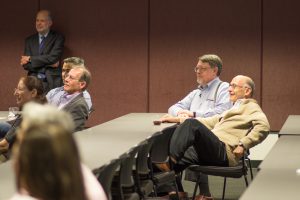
x: 193, y: 143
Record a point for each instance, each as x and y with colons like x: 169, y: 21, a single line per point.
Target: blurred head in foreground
x: 46, y: 158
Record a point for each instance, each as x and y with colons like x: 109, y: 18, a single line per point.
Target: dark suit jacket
x: 79, y: 111
x: 51, y: 53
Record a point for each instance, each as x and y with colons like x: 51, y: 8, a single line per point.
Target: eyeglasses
x: 20, y: 89
x: 233, y: 85
x: 71, y: 77
x: 201, y: 69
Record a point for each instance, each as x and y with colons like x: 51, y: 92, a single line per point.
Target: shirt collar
x: 45, y: 35
x: 70, y: 96
x: 238, y: 103
x: 208, y: 85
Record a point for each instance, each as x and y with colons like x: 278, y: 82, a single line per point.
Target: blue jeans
x: 4, y: 128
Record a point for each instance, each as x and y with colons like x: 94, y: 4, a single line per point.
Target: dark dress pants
x: 52, y: 80
x: 193, y: 143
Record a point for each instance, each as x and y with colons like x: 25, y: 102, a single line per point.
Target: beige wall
x: 142, y: 52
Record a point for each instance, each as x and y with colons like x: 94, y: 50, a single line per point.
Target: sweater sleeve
x: 260, y: 130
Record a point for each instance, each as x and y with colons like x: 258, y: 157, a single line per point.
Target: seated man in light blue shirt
x: 209, y: 99
x: 71, y: 99
x: 69, y: 63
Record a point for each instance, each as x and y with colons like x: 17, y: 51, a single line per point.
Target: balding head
x: 43, y: 22
x: 241, y: 87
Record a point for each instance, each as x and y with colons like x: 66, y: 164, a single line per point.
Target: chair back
x: 126, y: 185
x: 142, y: 165
x: 159, y: 154
x: 127, y: 167
x: 160, y: 145
x: 105, y: 175
x: 142, y: 174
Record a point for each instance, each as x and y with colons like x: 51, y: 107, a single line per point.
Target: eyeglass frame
x: 20, y: 90
x: 202, y: 69
x: 233, y: 85
x: 72, y: 78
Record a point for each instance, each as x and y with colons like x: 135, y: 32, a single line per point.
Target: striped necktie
x: 41, y: 46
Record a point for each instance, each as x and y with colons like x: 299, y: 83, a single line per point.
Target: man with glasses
x: 69, y: 63
x: 220, y: 140
x: 71, y: 98
x: 210, y: 98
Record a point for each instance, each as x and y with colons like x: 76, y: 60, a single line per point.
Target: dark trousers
x: 194, y: 143
x: 51, y: 80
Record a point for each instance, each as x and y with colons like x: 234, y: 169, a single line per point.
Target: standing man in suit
x: 71, y: 98
x: 43, y: 52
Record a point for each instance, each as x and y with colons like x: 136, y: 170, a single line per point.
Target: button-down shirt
x: 204, y: 100
x: 65, y: 98
x: 54, y: 95
x: 40, y: 37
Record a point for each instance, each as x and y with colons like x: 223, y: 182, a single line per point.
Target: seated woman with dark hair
x: 29, y: 88
x: 46, y: 159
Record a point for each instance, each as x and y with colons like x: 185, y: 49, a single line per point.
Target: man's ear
x: 216, y: 69
x: 34, y: 93
x: 248, y: 92
x: 82, y: 84
x: 50, y: 23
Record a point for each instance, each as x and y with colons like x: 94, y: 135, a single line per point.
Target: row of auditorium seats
x: 132, y: 175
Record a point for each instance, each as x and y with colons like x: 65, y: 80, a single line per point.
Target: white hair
x: 37, y: 114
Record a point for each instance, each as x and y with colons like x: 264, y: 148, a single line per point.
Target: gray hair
x: 213, y: 61
x: 74, y: 61
x: 49, y: 14
x: 249, y: 82
x: 85, y: 76
x: 37, y: 114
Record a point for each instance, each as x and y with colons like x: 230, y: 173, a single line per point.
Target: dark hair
x: 48, y: 163
x: 213, y: 61
x: 33, y: 83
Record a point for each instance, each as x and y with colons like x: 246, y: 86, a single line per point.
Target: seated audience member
x: 71, y: 98
x: 68, y: 64
x: 46, y: 158
x: 211, y: 97
x: 4, y: 128
x: 220, y: 140
x: 29, y: 88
